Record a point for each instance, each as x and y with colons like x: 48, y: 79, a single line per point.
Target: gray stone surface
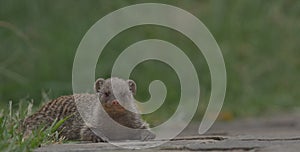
x: 268, y: 134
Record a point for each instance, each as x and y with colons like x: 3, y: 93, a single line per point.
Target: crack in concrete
x: 218, y: 138
x: 271, y: 139
x: 212, y: 149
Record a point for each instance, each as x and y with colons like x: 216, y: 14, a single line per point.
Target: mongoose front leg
x: 147, y: 135
x: 86, y: 134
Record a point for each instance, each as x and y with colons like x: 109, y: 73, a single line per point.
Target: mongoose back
x: 115, y: 96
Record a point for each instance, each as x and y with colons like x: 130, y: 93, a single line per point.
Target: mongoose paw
x: 147, y: 135
x: 88, y: 135
x: 96, y: 139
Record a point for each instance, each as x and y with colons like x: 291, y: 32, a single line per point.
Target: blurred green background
x: 260, y: 42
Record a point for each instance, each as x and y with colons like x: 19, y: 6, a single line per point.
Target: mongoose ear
x: 132, y: 86
x: 98, y: 84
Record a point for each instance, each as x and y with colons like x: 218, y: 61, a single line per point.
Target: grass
x: 259, y: 41
x: 11, y: 136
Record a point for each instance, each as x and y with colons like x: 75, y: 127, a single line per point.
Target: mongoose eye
x: 106, y: 94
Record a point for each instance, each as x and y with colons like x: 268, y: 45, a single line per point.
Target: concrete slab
x: 276, y: 134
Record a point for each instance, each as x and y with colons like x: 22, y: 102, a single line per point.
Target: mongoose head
x: 116, y: 95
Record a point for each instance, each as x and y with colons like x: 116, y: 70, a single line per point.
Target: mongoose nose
x: 115, y: 102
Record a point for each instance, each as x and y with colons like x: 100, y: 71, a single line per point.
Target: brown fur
x: 74, y: 128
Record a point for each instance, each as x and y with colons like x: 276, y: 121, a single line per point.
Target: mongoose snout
x: 115, y: 102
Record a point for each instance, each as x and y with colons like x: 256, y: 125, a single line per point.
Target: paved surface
x: 269, y: 134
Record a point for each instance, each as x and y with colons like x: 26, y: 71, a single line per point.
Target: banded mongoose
x: 87, y: 120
